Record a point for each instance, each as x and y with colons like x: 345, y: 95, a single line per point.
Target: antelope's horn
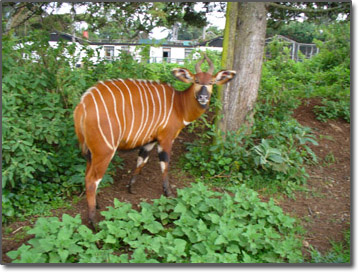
x: 211, y: 65
x: 197, y: 66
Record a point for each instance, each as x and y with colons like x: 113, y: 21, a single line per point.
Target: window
x: 109, y: 52
x: 166, y: 53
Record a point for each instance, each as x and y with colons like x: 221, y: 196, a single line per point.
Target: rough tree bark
x: 244, y: 41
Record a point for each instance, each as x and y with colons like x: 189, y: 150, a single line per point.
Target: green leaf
x: 136, y: 217
x: 180, y: 208
x: 220, y: 240
x: 154, y: 227
x: 214, y: 218
x: 110, y: 239
x: 180, y: 245
x: 63, y: 253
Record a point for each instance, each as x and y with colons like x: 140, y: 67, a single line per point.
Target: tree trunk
x: 243, y: 50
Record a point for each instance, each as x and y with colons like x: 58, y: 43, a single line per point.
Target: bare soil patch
x: 324, y: 209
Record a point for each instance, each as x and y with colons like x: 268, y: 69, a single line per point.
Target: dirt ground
x: 324, y: 209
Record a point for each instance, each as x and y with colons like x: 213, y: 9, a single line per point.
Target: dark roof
x: 216, y: 42
x: 55, y: 37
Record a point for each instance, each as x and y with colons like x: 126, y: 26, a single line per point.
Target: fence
x: 298, y: 51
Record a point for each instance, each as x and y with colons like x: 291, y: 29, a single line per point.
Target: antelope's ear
x: 224, y: 76
x: 183, y: 75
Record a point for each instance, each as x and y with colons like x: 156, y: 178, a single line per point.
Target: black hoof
x: 131, y: 191
x: 93, y: 225
x: 168, y: 193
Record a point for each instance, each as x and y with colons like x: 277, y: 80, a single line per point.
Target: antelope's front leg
x: 143, y: 157
x: 164, y: 158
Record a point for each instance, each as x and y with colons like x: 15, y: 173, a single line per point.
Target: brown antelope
x: 125, y: 114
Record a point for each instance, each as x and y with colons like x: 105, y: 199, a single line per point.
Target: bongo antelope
x: 125, y: 114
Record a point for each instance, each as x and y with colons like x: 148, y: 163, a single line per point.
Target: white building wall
x: 156, y: 54
x: 177, y: 53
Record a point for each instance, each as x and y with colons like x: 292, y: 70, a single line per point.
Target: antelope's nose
x: 203, y: 97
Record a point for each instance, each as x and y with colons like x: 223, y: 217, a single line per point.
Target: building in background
x: 166, y: 51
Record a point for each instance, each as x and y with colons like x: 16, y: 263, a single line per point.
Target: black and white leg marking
x: 164, y: 165
x: 143, y: 157
x: 163, y: 158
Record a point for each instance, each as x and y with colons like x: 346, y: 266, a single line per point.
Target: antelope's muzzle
x: 203, y: 97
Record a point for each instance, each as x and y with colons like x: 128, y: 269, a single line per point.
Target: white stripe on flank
x: 86, y: 93
x: 160, y: 110
x: 83, y: 125
x: 108, y: 118
x: 133, y: 115
x: 123, y: 112
x: 153, y: 114
x: 135, y: 139
x: 170, y: 111
x: 164, y: 105
x: 147, y: 115
x: 115, y: 112
x: 98, y: 123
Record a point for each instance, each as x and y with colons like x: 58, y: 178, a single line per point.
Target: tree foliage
x: 318, y: 12
x: 125, y: 20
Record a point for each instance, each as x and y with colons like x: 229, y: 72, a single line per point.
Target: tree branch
x: 304, y: 10
x: 13, y: 25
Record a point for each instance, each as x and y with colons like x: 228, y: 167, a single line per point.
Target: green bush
x: 41, y: 162
x: 271, y: 157
x: 200, y: 226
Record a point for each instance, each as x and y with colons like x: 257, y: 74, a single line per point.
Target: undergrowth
x: 199, y: 226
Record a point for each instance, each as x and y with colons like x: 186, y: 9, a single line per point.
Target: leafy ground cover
x: 198, y: 226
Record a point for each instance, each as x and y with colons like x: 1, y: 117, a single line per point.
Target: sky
x: 215, y: 19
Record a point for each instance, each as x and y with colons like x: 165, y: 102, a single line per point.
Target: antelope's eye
x: 196, y: 81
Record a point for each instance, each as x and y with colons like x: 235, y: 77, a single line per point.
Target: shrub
x: 40, y: 158
x: 200, y: 226
x: 333, y: 110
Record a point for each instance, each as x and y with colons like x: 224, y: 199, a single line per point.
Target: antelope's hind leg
x: 143, y: 157
x: 96, y: 168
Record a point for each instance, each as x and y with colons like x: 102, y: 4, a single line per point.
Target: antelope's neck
x: 188, y: 107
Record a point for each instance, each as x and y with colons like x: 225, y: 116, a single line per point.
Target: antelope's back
x: 126, y: 113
